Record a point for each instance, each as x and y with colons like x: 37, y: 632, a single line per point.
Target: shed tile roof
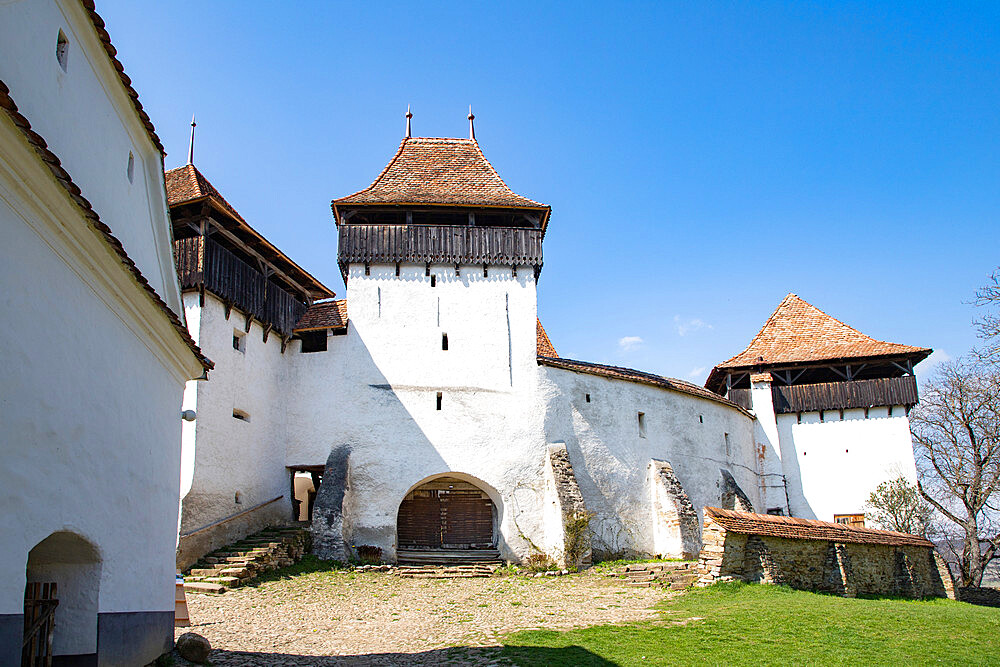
x: 186, y: 185
x: 440, y: 171
x: 544, y: 345
x: 640, y: 377
x: 798, y: 332
x: 748, y: 523
x: 93, y: 219
x: 324, y: 315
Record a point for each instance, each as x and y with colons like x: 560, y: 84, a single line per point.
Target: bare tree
x: 988, y: 297
x: 897, y: 505
x: 956, y: 435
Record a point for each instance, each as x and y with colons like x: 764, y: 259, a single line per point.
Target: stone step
x: 202, y: 587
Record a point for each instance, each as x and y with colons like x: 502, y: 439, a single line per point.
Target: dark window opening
x: 433, y: 281
x: 701, y: 419
x: 444, y: 341
x: 439, y: 400
x: 587, y: 397
x: 776, y: 511
x: 239, y: 341
x: 642, y: 424
x: 62, y: 50
x: 313, y: 341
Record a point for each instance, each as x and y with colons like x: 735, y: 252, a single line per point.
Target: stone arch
x: 449, y: 511
x: 73, y: 563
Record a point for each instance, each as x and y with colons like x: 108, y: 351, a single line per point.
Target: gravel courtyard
x: 379, y: 618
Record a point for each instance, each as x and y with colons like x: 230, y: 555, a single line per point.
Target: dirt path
x: 358, y: 618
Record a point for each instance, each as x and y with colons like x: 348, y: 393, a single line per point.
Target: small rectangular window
x: 433, y: 281
x: 729, y: 450
x: 239, y: 341
x: 444, y: 341
x: 241, y: 415
x: 776, y: 511
x: 587, y: 397
x: 642, y: 424
x: 852, y: 520
x: 313, y: 341
x: 439, y: 400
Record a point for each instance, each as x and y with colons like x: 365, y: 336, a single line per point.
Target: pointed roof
x: 544, y: 346
x: 798, y: 332
x: 440, y: 172
x: 187, y: 185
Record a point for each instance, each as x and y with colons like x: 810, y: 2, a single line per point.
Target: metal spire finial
x: 408, y: 117
x: 472, y: 128
x: 191, y: 143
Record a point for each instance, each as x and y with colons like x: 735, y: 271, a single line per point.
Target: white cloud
x: 629, y: 343
x: 690, y: 325
x: 926, y: 367
x: 695, y: 373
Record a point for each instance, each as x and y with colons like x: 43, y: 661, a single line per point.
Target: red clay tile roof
x: 798, y: 332
x: 63, y: 178
x: 640, y: 377
x: 748, y: 523
x: 324, y: 315
x: 543, y: 344
x: 439, y: 171
x: 102, y: 34
x: 187, y: 185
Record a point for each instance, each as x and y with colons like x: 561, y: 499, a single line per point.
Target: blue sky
x: 702, y: 159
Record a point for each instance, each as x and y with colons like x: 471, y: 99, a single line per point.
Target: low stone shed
x: 819, y: 556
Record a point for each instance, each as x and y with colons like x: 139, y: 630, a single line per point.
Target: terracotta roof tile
x: 748, y: 523
x: 63, y: 178
x: 324, y: 315
x: 640, y: 377
x: 438, y: 171
x: 544, y: 345
x: 798, y: 332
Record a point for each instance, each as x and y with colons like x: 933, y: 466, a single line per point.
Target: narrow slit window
x: 729, y: 447
x: 62, y: 50
x: 433, y: 281
x: 444, y: 341
x: 586, y: 397
x: 439, y: 397
x: 130, y: 169
x: 642, y: 424
x: 239, y: 341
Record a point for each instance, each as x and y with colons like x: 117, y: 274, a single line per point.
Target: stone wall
x: 847, y: 568
x: 675, y: 521
x: 569, y: 525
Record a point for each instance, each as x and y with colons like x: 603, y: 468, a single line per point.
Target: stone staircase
x: 448, y: 557
x: 447, y: 571
x: 234, y: 565
x: 676, y: 576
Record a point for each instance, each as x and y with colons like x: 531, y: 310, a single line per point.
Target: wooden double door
x: 446, y: 513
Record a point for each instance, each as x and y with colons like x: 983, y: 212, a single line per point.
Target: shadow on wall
x: 523, y: 655
x: 372, y: 465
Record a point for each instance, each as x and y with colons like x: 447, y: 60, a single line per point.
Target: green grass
x: 760, y: 624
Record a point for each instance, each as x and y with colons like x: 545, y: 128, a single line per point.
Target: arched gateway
x: 448, y: 514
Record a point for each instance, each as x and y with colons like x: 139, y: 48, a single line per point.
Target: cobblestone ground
x: 378, y: 618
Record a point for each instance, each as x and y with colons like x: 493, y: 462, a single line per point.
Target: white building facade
x: 98, y: 353
x: 428, y: 412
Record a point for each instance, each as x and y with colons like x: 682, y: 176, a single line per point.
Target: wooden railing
x: 836, y: 395
x: 204, y: 264
x: 443, y: 244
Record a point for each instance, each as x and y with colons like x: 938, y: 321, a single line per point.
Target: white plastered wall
x: 91, y: 388
x: 89, y: 121
x: 375, y: 390
x: 610, y: 458
x: 833, y: 465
